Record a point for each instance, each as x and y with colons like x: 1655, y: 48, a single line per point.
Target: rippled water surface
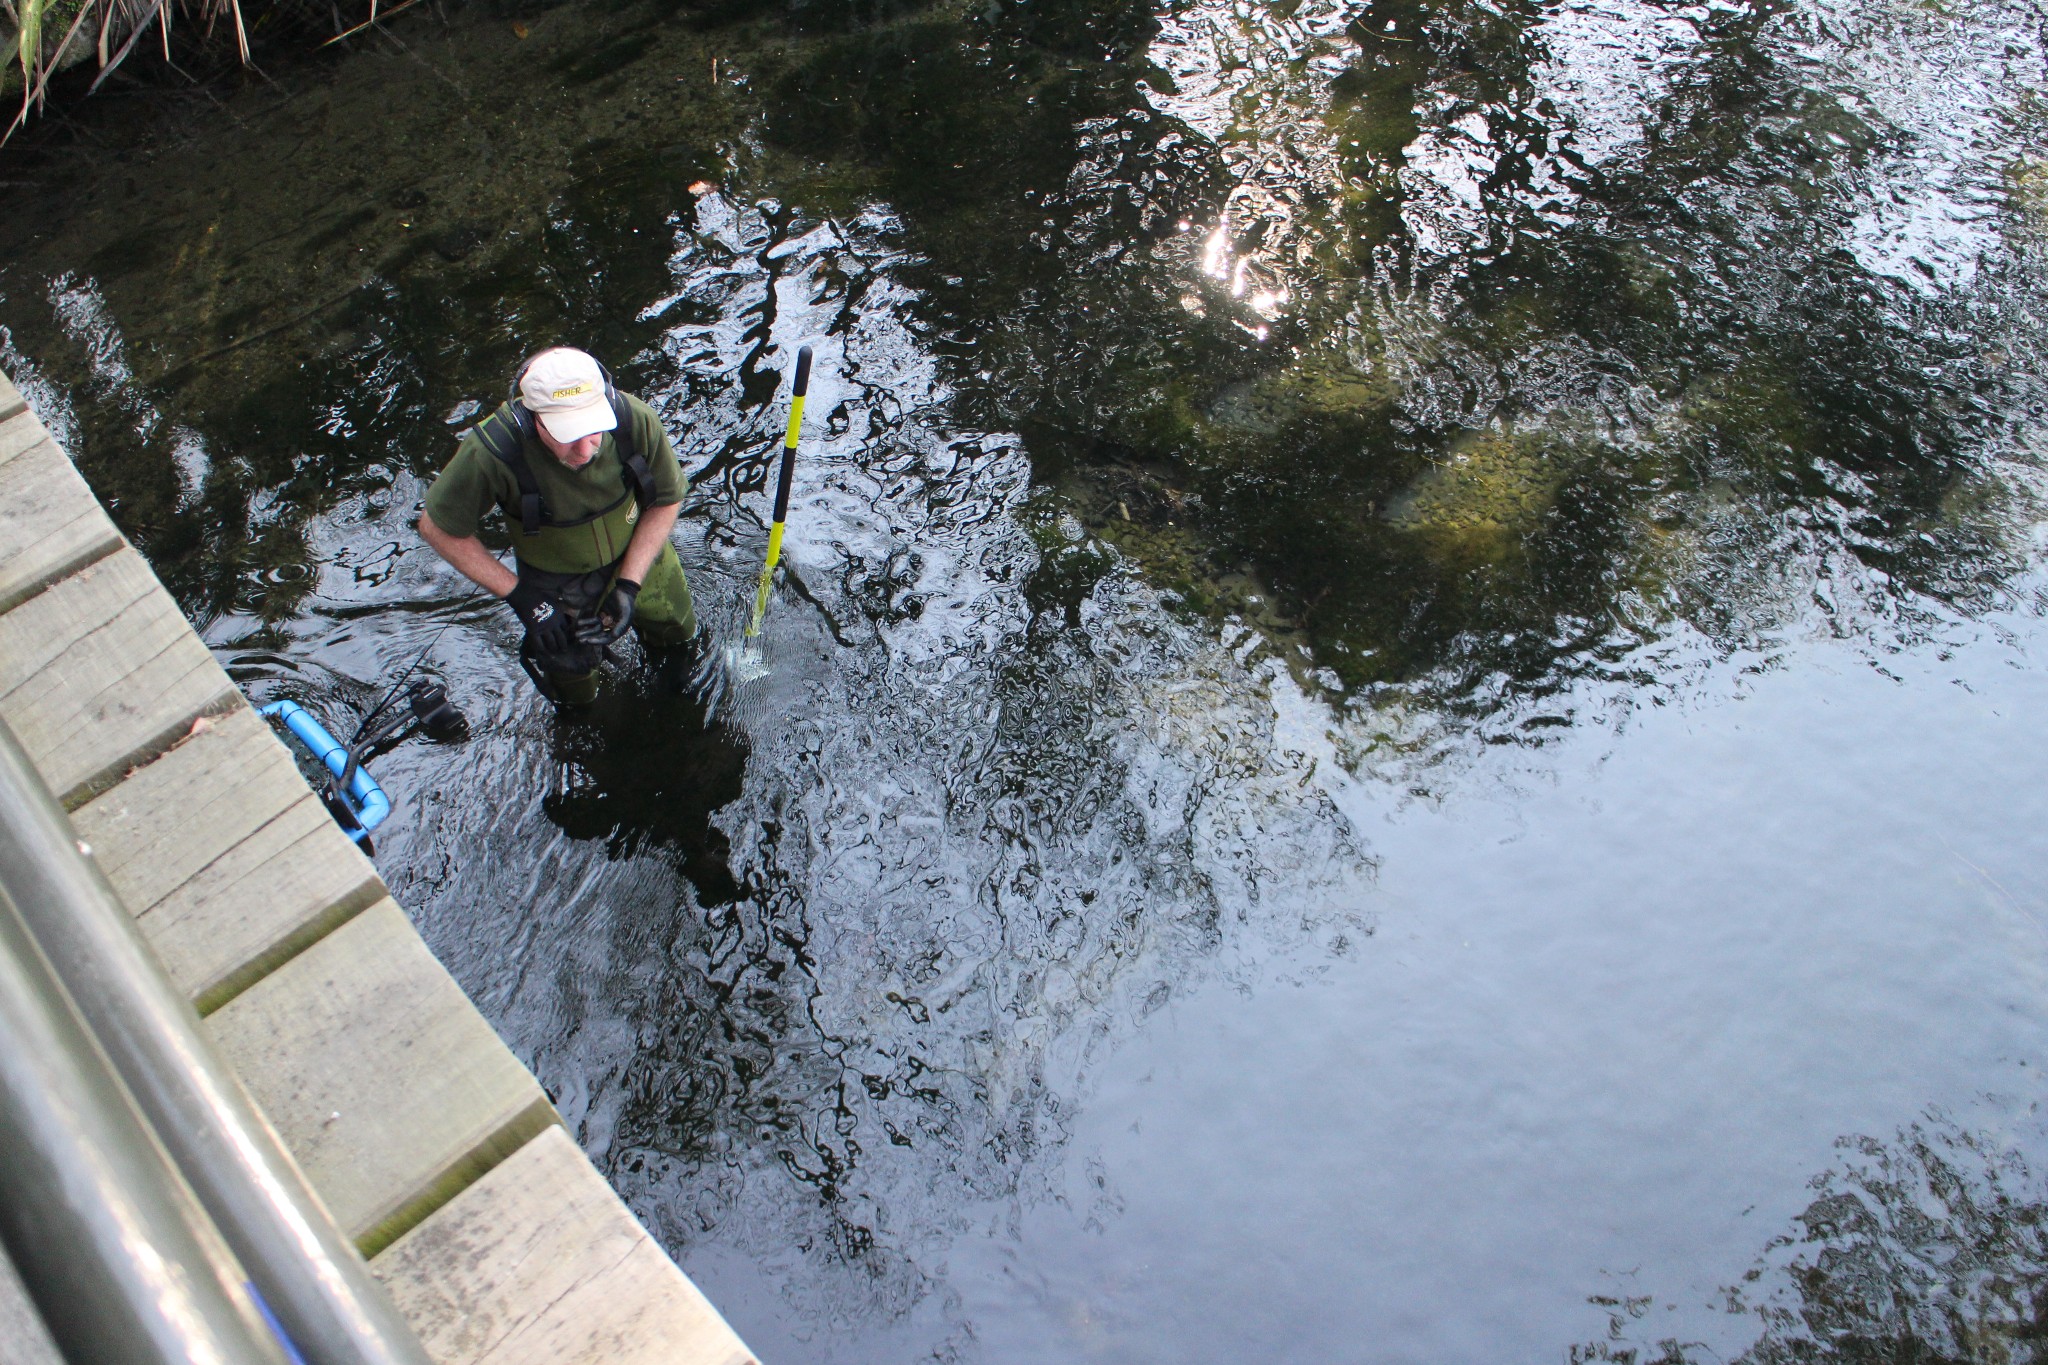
x: 1404, y: 724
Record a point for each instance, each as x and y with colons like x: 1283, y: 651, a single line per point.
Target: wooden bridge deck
x: 432, y: 1145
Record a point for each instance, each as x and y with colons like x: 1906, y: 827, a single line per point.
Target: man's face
x: 572, y: 454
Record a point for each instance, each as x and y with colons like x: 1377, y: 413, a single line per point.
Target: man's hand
x: 613, y: 615
x: 547, y: 625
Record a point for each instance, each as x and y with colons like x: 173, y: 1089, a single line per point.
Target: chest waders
x: 557, y: 545
x: 567, y: 556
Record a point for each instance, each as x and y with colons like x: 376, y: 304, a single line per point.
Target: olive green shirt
x: 475, y: 481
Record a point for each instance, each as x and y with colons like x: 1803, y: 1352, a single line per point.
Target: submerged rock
x: 1489, y: 492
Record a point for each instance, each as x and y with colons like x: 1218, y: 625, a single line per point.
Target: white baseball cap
x: 565, y: 390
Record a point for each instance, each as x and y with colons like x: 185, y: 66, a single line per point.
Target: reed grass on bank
x: 49, y: 36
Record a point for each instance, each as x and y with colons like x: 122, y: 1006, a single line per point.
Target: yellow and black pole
x: 796, y: 422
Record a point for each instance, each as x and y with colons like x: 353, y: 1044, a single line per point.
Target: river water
x: 1403, y: 722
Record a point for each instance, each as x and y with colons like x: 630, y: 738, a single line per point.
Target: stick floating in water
x: 796, y: 421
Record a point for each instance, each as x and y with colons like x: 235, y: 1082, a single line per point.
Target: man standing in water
x: 590, y: 487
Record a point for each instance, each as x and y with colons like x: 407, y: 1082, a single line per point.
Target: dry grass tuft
x: 48, y: 36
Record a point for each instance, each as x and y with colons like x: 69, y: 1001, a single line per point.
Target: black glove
x: 547, y: 625
x: 608, y: 623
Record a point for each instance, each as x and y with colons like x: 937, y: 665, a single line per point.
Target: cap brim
x: 568, y: 425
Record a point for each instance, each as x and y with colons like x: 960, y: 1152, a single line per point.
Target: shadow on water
x: 645, y: 769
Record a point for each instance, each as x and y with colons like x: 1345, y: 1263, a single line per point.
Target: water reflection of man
x: 590, y: 488
x: 645, y: 769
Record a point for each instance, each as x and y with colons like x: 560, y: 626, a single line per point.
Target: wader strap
x: 639, y: 478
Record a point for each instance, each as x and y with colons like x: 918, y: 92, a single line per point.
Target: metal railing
x: 105, y: 1234
x: 125, y: 1143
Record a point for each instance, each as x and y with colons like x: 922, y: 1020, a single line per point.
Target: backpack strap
x: 503, y: 433
x: 632, y: 464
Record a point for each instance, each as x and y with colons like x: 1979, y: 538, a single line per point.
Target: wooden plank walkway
x: 432, y: 1145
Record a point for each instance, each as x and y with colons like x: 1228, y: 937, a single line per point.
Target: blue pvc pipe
x: 366, y: 800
